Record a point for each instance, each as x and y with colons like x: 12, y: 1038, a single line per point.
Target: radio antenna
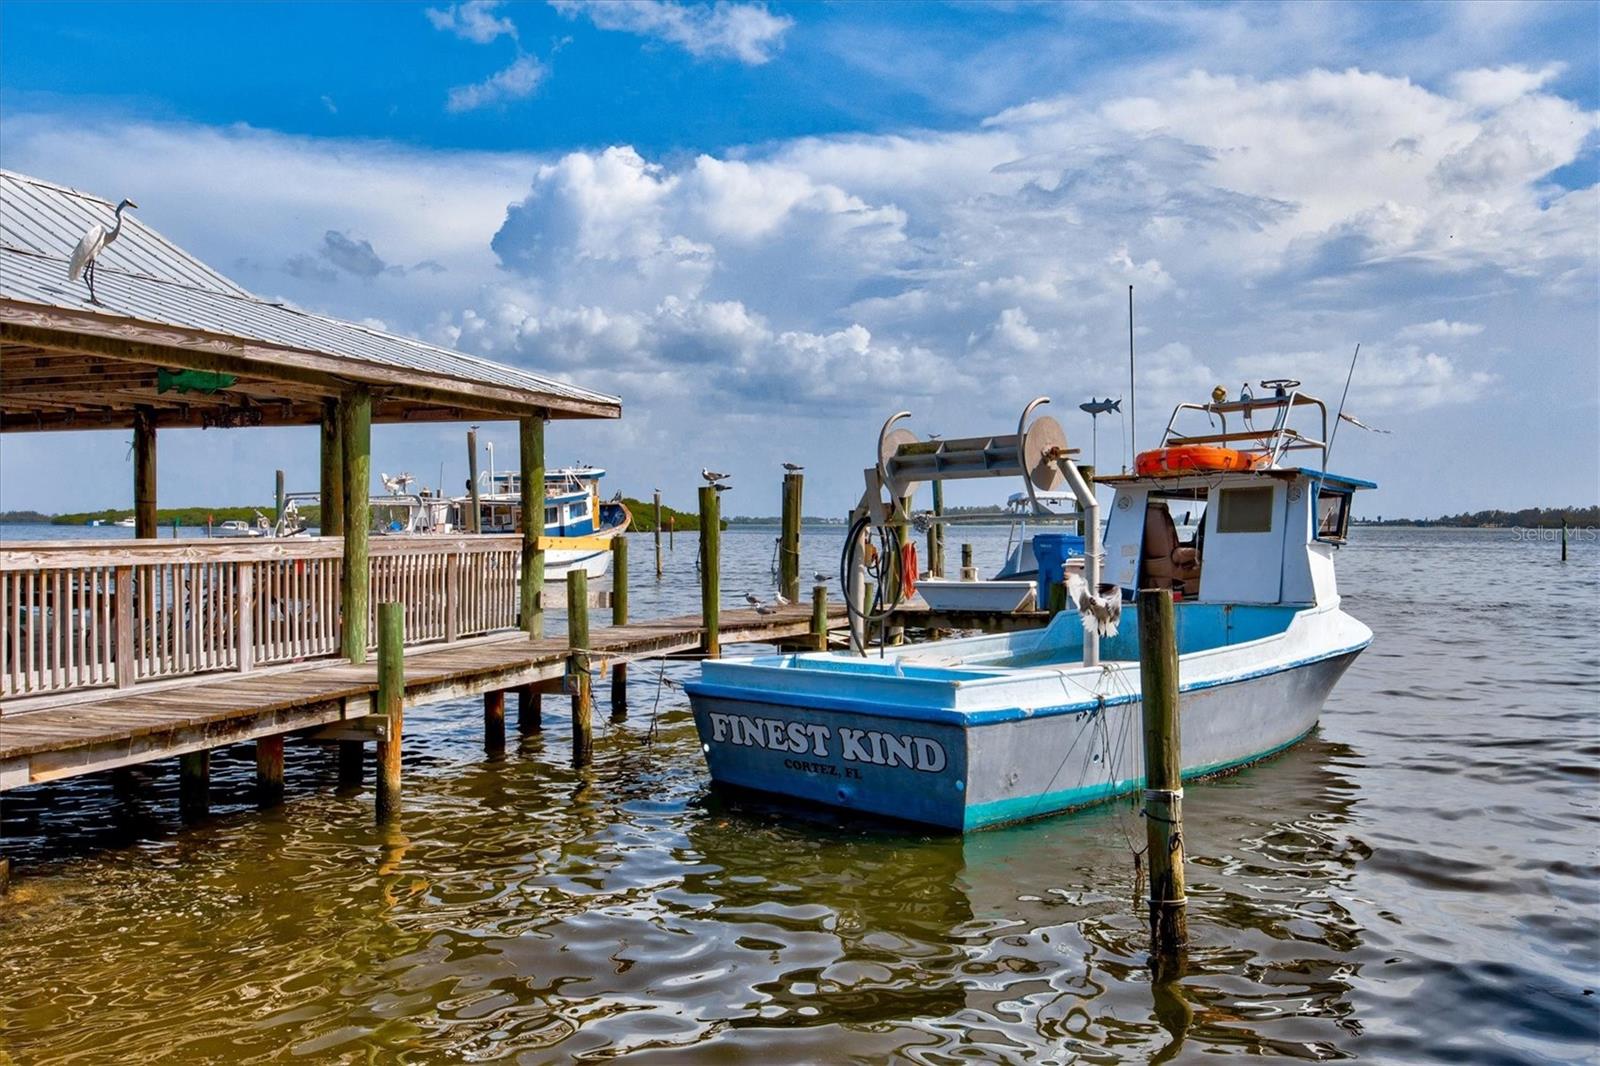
x: 1133, y: 400
x: 1327, y: 455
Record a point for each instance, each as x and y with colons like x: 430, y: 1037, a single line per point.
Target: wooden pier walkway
x: 333, y: 699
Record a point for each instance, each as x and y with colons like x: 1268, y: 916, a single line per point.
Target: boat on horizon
x: 980, y: 731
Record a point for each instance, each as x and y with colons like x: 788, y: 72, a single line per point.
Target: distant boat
x: 236, y: 527
x: 125, y: 523
x: 578, y: 525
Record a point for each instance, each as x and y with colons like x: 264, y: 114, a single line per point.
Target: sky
x: 768, y: 226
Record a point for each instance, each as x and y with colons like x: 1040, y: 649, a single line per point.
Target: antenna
x: 1133, y: 399
x: 1327, y: 454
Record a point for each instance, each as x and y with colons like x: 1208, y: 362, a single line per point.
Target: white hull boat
x: 974, y: 732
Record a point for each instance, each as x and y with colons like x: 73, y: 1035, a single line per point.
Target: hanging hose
x: 882, y: 570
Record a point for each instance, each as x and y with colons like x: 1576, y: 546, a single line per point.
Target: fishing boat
x: 1015, y: 586
x: 125, y: 523
x: 979, y: 731
x: 235, y: 528
x: 578, y: 525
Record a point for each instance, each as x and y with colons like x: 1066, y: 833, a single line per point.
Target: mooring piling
x: 269, y: 770
x: 819, y: 615
x: 280, y: 501
x: 936, y: 533
x: 710, y: 561
x: 658, y: 532
x: 968, y: 571
x: 194, y: 784
x: 619, y: 617
x: 1563, y: 540
x: 578, y: 667
x: 390, y: 702
x: 144, y: 472
x: 530, y: 435
x: 789, y: 539
x: 1163, y: 792
x: 474, y: 522
x: 494, y: 721
x: 672, y: 527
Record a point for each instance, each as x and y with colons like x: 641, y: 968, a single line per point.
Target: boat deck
x: 108, y: 729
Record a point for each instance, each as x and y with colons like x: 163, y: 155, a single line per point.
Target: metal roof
x: 145, y: 278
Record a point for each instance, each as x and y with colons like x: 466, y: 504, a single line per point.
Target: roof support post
x: 144, y: 473
x: 531, y: 434
x: 355, y: 422
x: 331, y: 523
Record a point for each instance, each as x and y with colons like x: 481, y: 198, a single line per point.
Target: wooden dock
x: 334, y: 700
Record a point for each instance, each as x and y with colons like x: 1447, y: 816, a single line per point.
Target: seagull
x: 793, y: 468
x: 762, y: 608
x: 721, y: 488
x: 712, y: 476
x: 94, y: 241
x: 752, y: 599
x: 780, y: 599
x: 820, y: 578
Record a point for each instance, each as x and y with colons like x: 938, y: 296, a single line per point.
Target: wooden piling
x: 619, y: 617
x: 474, y: 522
x: 194, y: 784
x: 355, y: 419
x: 531, y: 456
x: 390, y: 702
x: 578, y: 667
x: 789, y: 536
x: 144, y: 473
x: 658, y: 532
x: 5, y: 876
x: 330, y: 520
x: 710, y: 570
x: 819, y: 615
x: 1563, y: 540
x: 936, y: 557
x: 968, y: 571
x: 1163, y: 761
x: 269, y: 770
x: 352, y: 762
x: 672, y: 527
x: 279, y: 498
x: 530, y: 710
x: 494, y: 722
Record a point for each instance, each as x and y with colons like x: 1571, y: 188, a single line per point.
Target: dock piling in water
x: 390, y: 702
x: 531, y: 456
x: 355, y: 420
x: 819, y: 615
x: 1563, y: 540
x: 578, y: 667
x: 352, y: 762
x: 474, y: 522
x: 194, y: 784
x: 1163, y: 793
x: 269, y: 770
x: 968, y: 571
x: 530, y: 710
x: 658, y: 532
x: 619, y: 617
x: 710, y: 564
x: 494, y: 721
x: 789, y: 537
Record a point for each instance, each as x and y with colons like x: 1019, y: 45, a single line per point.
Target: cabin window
x: 551, y: 514
x: 1333, y: 515
x: 575, y: 512
x: 1244, y: 510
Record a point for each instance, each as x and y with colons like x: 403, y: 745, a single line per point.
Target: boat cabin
x: 1266, y: 531
x: 571, y: 502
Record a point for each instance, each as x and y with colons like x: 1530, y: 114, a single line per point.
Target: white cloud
x: 749, y: 33
x: 516, y: 82
x: 474, y: 20
x: 1441, y: 329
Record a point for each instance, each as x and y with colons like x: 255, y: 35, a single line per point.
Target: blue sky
x: 777, y: 223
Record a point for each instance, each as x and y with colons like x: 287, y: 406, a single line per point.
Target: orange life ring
x: 1192, y: 458
x: 908, y: 570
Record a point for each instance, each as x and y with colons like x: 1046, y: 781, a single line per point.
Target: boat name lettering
x: 855, y: 745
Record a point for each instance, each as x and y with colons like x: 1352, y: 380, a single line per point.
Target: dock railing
x: 77, y: 616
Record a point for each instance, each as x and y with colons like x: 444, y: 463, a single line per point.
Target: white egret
x: 89, y: 248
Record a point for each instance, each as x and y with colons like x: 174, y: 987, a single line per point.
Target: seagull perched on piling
x: 793, y: 468
x: 820, y: 578
x: 89, y: 248
x: 712, y: 477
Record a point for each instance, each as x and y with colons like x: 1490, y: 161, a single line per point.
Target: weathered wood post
x: 174, y: 527
x: 531, y: 457
x: 330, y: 517
x: 672, y: 527
x: 619, y: 617
x: 144, y: 473
x: 390, y: 702
x: 269, y: 770
x: 819, y: 615
x: 530, y: 710
x: 494, y: 722
x: 194, y: 784
x: 1163, y: 762
x: 869, y: 592
x: 789, y: 538
x: 710, y: 576
x: 474, y: 522
x: 1563, y: 540
x: 355, y: 578
x: 578, y: 667
x: 658, y: 532
x: 279, y: 500
x: 936, y: 557
x: 968, y: 571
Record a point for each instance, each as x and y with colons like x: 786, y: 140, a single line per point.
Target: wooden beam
x: 144, y: 473
x: 355, y: 421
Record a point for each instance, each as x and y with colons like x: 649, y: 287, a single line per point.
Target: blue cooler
x: 1050, y: 551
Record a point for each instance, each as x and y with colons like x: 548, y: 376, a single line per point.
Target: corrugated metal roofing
x: 145, y: 277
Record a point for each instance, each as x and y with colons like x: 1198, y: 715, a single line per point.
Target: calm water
x: 1416, y: 882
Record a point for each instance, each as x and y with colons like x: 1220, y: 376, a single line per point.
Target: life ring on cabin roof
x: 1195, y: 458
